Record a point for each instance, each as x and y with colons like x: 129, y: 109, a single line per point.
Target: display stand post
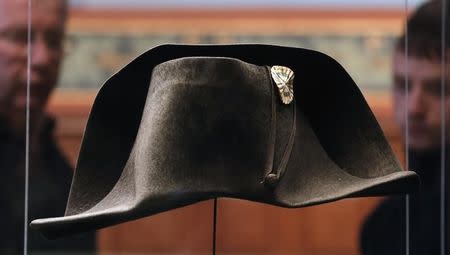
x: 214, y: 227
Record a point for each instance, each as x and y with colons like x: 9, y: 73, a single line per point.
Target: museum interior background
x: 102, y: 38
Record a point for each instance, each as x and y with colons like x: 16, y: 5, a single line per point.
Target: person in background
x: 384, y: 231
x: 50, y: 174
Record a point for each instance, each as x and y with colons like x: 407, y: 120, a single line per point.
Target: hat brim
x: 96, y: 219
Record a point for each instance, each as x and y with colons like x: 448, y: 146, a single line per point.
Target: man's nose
x: 416, y: 103
x: 41, y: 53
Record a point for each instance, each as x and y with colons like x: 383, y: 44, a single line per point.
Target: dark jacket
x: 49, y: 183
x: 384, y: 231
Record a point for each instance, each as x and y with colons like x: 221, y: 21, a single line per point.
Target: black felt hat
x: 182, y: 124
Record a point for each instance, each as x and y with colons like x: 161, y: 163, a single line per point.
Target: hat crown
x: 214, y: 115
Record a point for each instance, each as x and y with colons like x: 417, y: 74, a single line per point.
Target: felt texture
x: 182, y: 124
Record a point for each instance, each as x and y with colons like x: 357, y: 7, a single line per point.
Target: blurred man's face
x: 47, y: 29
x: 423, y: 103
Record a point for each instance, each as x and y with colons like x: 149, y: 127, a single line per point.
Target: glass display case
x: 55, y: 65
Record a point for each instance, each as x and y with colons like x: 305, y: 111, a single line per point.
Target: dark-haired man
x: 50, y: 174
x: 384, y: 232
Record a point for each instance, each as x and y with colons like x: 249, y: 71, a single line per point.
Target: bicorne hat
x: 181, y: 124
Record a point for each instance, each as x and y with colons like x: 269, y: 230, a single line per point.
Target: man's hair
x: 424, y: 31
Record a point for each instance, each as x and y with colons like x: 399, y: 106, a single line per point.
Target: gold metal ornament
x: 284, y: 79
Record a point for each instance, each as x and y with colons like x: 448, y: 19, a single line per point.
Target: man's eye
x: 400, y: 84
x: 400, y: 87
x: 435, y: 90
x: 54, y: 41
x: 19, y: 36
